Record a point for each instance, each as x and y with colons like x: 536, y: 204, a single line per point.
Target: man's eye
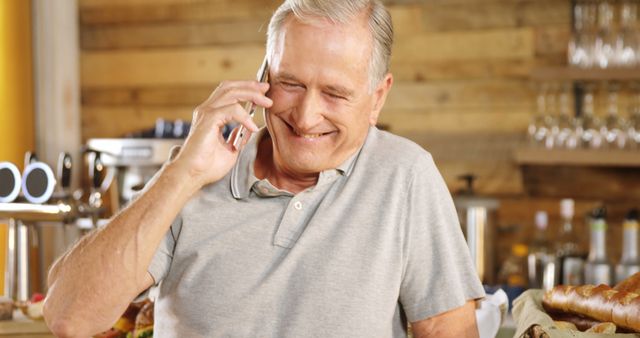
x: 335, y: 96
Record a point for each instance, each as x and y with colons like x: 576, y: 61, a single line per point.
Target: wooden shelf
x: 579, y: 74
x: 599, y: 174
x: 577, y: 157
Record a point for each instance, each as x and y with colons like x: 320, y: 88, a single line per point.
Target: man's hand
x: 459, y: 322
x: 205, y: 155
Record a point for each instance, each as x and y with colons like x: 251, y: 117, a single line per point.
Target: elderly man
x: 322, y: 226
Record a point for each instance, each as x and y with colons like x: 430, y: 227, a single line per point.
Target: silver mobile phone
x: 262, y: 76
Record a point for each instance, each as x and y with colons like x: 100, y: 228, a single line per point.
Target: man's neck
x: 266, y: 168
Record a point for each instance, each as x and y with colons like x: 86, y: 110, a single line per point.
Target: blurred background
x: 521, y: 103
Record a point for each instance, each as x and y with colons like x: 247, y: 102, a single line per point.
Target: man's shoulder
x: 394, y: 150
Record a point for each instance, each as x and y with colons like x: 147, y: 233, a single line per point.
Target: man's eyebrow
x: 286, y: 76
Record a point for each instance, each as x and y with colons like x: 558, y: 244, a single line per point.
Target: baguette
x: 603, y: 328
x: 581, y: 323
x: 580, y: 297
x: 600, y: 302
x: 560, y: 299
x: 633, y: 316
x: 631, y: 284
x: 562, y: 325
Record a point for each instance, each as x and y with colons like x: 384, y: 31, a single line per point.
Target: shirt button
x: 298, y: 205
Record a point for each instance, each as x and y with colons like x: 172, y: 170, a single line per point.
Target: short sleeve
x: 438, y: 273
x: 161, y: 261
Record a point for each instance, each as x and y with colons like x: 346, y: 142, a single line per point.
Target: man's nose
x: 309, y: 111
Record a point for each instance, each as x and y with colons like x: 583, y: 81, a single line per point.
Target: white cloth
x: 491, y: 313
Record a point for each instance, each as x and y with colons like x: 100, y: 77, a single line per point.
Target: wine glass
x: 605, y: 40
x: 589, y: 123
x: 633, y: 125
x: 539, y: 126
x: 581, y: 45
x: 613, y: 127
x: 626, y: 47
x: 567, y: 135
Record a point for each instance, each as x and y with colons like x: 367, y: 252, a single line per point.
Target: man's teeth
x: 309, y: 135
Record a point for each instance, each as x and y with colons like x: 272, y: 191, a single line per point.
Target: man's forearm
x: 91, y: 285
x: 459, y: 322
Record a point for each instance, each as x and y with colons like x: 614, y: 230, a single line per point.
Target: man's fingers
x: 233, y: 113
x: 239, y: 91
x: 241, y: 116
x: 240, y: 96
x: 261, y: 86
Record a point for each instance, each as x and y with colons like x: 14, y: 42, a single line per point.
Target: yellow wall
x: 16, y: 92
x: 16, y: 81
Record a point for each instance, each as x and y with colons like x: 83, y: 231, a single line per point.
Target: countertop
x: 24, y: 327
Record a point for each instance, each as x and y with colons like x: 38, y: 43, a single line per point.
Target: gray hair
x: 342, y: 11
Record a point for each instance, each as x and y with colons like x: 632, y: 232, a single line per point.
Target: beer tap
x: 67, y: 206
x: 97, y: 177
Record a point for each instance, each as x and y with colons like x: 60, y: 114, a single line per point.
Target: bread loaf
x: 562, y: 325
x: 631, y: 284
x: 604, y: 328
x: 633, y: 316
x: 600, y: 302
x: 560, y: 299
x: 580, y: 297
x: 581, y: 323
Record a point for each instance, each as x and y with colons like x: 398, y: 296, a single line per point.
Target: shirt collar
x: 243, y: 177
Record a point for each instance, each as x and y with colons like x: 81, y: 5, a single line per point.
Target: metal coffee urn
x: 478, y: 220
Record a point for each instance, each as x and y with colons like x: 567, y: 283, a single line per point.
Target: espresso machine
x: 133, y: 160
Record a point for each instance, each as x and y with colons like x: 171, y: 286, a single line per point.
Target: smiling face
x: 322, y: 107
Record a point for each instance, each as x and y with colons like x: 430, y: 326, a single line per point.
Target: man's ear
x: 379, y: 97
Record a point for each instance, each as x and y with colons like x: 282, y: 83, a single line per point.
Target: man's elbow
x: 61, y: 328
x: 60, y: 323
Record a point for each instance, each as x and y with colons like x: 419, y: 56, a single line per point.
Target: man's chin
x: 308, y: 167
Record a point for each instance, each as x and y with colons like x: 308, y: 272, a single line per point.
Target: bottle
x: 569, y: 257
x: 540, y: 264
x: 513, y: 272
x: 598, y: 269
x: 630, y: 262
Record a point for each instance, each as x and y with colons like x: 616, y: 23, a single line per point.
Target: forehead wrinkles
x: 348, y: 28
x: 348, y: 31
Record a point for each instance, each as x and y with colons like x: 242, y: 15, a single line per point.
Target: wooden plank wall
x: 462, y: 72
x: 461, y: 69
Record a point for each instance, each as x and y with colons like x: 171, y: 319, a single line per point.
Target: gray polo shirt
x: 374, y: 243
